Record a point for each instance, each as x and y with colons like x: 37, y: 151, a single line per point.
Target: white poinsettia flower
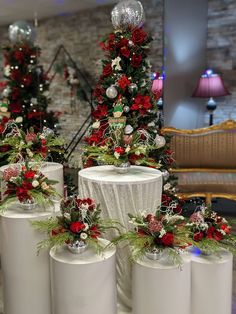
x: 96, y: 125
x: 7, y: 70
x: 35, y: 183
x: 116, y: 64
x: 83, y: 236
x: 117, y: 155
x: 18, y: 119
x: 162, y: 232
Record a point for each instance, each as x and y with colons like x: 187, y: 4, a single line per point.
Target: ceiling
x: 13, y: 10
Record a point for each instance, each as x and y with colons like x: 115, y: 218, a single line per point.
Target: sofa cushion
x: 213, y: 182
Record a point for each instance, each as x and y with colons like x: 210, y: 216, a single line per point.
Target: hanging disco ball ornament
x: 160, y: 141
x: 126, y: 109
x: 133, y: 87
x: 21, y: 31
x: 127, y: 13
x: 111, y: 92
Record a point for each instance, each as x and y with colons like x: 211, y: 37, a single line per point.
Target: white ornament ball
x: 111, y: 92
x: 128, y: 129
x: 6, y: 92
x: 126, y: 109
x: 160, y: 141
x: 165, y: 175
x: 133, y: 87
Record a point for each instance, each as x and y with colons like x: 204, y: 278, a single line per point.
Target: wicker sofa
x: 206, y: 160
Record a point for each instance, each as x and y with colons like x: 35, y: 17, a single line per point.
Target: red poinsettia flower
x: 95, y: 137
x: 124, y: 82
x: 100, y: 112
x: 141, y: 104
x: 167, y: 239
x: 29, y: 174
x: 15, y: 75
x: 27, y: 79
x: 120, y: 150
x: 77, y: 226
x: 210, y: 232
x: 22, y: 194
x: 122, y: 43
x: 139, y: 36
x: 15, y: 93
x: 15, y: 107
x: 125, y: 52
x: 94, y: 232
x: 218, y: 236
x: 136, y: 60
x: 19, y: 56
x: 98, y: 92
x: 107, y: 70
x: 198, y: 236
x: 225, y: 228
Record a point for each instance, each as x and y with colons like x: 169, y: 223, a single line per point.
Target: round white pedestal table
x: 161, y: 287
x: 83, y: 283
x: 119, y: 194
x: 26, y: 276
x: 212, y: 284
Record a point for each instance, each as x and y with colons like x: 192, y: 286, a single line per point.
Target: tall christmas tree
x: 27, y: 84
x: 125, y: 122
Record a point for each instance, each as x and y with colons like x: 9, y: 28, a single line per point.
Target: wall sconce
x: 210, y: 85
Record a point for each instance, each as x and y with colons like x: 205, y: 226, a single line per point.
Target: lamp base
x: 211, y: 106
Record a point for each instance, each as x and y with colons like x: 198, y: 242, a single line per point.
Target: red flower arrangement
x: 209, y: 231
x: 30, y: 145
x: 79, y: 221
x: 27, y: 185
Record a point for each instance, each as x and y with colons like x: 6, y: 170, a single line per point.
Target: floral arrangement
x: 117, y: 146
x: 210, y: 232
x: 79, y: 221
x: 156, y: 233
x: 26, y: 184
x: 29, y: 145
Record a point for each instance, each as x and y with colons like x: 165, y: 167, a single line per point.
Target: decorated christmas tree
x: 125, y: 122
x: 27, y: 85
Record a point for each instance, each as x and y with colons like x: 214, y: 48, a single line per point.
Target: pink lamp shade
x: 210, y: 86
x: 157, y: 86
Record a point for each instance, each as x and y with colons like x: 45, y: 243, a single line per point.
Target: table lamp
x: 210, y: 85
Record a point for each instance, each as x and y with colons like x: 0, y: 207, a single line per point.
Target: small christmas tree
x: 27, y: 84
x: 125, y: 122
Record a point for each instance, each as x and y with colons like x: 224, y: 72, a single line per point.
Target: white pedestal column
x: 160, y: 287
x: 26, y: 278
x: 212, y: 284
x: 84, y: 283
x: 119, y: 194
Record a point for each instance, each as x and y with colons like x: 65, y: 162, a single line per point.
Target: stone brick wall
x: 80, y: 33
x: 221, y: 53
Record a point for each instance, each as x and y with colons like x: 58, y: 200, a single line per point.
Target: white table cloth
x: 212, y: 284
x: 83, y: 283
x: 161, y: 287
x: 26, y: 277
x: 119, y: 194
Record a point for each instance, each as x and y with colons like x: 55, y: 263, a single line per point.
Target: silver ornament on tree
x: 128, y: 129
x: 160, y: 141
x: 126, y: 109
x: 6, y: 92
x: 127, y: 13
x: 111, y: 92
x: 165, y: 175
x: 133, y: 87
x: 21, y: 31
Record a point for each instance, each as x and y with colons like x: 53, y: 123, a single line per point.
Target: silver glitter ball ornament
x: 127, y: 13
x: 46, y: 132
x: 165, y: 175
x: 6, y: 92
x: 128, y: 129
x: 111, y: 92
x: 133, y: 87
x: 126, y: 109
x: 160, y: 141
x: 21, y: 31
